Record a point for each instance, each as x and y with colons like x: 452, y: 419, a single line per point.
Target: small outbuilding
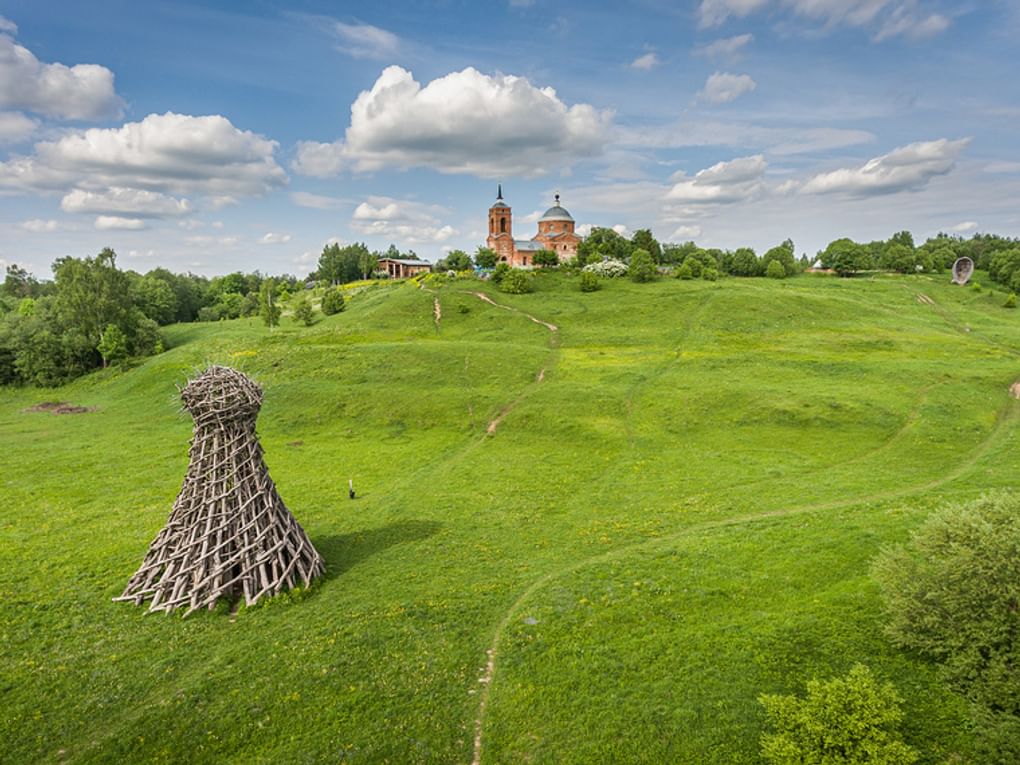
x: 403, y: 269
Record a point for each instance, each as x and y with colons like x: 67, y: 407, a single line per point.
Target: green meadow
x: 593, y: 543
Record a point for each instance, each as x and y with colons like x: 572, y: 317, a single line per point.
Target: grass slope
x: 675, y: 514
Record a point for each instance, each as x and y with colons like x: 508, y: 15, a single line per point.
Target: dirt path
x: 437, y: 311
x: 490, y: 301
x: 1007, y: 416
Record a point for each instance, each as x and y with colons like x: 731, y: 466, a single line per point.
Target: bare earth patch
x: 59, y: 407
x: 1014, y: 389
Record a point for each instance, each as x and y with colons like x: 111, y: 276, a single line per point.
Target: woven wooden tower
x: 229, y: 533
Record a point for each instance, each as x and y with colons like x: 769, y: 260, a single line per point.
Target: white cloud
x: 1002, y: 167
x: 365, y: 41
x: 6, y: 25
x: 115, y: 222
x: 38, y: 226
x: 967, y: 225
x: 121, y: 201
x: 203, y: 240
x: 645, y: 62
x: 15, y: 127
x: 887, y: 18
x: 685, y: 233
x: 722, y: 183
x: 167, y: 153
x: 400, y: 220
x: 722, y: 87
x: 783, y: 141
x: 274, y: 238
x: 315, y: 201
x: 465, y: 122
x: 727, y: 47
x: 620, y: 229
x: 908, y: 167
x: 80, y: 92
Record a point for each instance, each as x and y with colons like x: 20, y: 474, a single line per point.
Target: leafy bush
x: 695, y: 266
x: 304, y: 312
x: 589, y: 282
x: 848, y: 720
x: 775, y: 270
x: 501, y: 270
x: 642, y: 267
x: 684, y: 272
x: 517, y: 282
x: 710, y: 274
x: 333, y: 301
x: 547, y: 258
x: 609, y: 269
x: 953, y: 593
x: 1010, y: 301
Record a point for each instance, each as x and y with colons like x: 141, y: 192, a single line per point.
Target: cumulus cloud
x: 685, y: 233
x: 646, y: 62
x: 15, y: 127
x: 965, y: 226
x: 722, y: 87
x: 165, y: 153
x: 115, y: 222
x: 727, y: 47
x: 315, y: 201
x: 722, y: 183
x: 39, y: 226
x: 6, y: 25
x: 365, y: 41
x: 400, y: 220
x: 122, y: 201
x: 464, y: 122
x: 886, y: 18
x: 274, y: 238
x: 80, y: 92
x: 906, y: 168
x: 621, y: 229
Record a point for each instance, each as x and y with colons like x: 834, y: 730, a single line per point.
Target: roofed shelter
x: 403, y: 269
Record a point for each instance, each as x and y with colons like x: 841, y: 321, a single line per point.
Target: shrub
x: 498, y: 273
x: 609, y: 269
x: 642, y: 267
x: 952, y: 592
x: 775, y: 270
x: 849, y: 719
x: 333, y: 301
x: 684, y: 272
x: 546, y: 258
x: 590, y: 282
x: 709, y: 274
x: 1010, y: 301
x: 304, y: 312
x: 695, y: 265
x: 517, y: 282
x: 976, y: 286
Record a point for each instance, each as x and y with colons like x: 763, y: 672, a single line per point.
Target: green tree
x: 952, y: 592
x: 603, y: 243
x: 156, y: 299
x: 19, y: 283
x: 546, y: 258
x: 304, y: 312
x: 92, y: 293
x: 775, y: 270
x: 694, y: 265
x: 745, y: 263
x: 851, y: 720
x: 332, y: 301
x: 589, y: 282
x: 846, y: 257
x: 644, y: 240
x: 113, y: 345
x: 367, y: 262
x: 785, y: 254
x: 485, y: 257
x: 269, y: 310
x: 500, y: 272
x: 642, y: 267
x: 684, y: 272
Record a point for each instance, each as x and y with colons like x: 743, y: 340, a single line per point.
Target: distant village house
x: 402, y: 269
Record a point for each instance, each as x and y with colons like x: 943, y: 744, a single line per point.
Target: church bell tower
x: 501, y: 238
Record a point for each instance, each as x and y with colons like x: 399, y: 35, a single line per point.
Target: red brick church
x: 555, y: 232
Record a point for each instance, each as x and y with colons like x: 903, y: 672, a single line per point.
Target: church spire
x: 499, y: 191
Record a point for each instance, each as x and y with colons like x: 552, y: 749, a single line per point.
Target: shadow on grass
x: 345, y: 551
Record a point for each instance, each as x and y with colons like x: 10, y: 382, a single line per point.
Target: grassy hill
x: 593, y: 540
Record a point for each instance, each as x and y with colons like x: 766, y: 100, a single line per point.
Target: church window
x: 502, y: 225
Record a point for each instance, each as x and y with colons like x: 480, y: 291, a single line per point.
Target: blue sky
x: 223, y: 136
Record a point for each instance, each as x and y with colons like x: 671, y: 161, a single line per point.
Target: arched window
x: 502, y: 225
